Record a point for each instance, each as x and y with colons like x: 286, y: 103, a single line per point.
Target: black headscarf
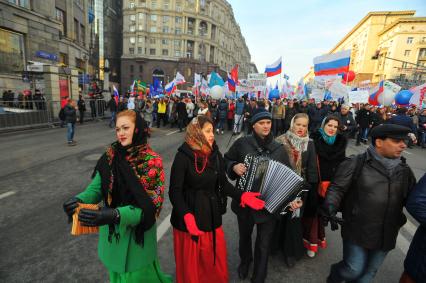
x: 126, y: 188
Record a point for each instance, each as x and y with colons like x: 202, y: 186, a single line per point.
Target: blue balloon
x: 275, y: 93
x: 403, y: 97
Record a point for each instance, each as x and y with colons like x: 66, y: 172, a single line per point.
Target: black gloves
x: 99, y: 217
x: 70, y: 206
x: 329, y: 214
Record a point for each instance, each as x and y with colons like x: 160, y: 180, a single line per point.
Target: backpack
x: 61, y: 114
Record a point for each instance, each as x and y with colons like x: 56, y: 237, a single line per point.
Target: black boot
x: 290, y: 261
x: 243, y: 270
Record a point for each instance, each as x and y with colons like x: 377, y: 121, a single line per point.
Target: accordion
x: 277, y: 183
x: 78, y: 229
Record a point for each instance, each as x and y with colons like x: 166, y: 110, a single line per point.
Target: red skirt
x: 313, y: 233
x: 196, y: 261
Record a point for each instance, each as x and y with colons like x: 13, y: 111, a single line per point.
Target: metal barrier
x: 17, y: 115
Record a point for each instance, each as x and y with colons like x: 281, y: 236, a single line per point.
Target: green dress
x: 126, y: 260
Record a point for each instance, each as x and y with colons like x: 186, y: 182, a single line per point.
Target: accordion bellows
x: 278, y: 184
x: 78, y: 229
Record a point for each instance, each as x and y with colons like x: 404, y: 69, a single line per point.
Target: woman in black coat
x: 301, y: 152
x: 198, y: 190
x: 330, y: 147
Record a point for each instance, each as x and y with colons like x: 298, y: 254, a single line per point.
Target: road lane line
x: 402, y: 243
x: 410, y: 227
x: 164, y: 226
x: 171, y: 133
x: 6, y: 194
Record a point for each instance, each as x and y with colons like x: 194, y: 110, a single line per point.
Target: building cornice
x: 403, y: 20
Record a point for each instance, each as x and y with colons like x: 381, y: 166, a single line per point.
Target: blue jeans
x: 70, y: 132
x: 359, y: 265
x: 112, y: 121
x: 221, y: 124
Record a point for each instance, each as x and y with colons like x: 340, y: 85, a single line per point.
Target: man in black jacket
x: 347, y: 121
x: 182, y: 115
x: 365, y: 122
x: 260, y: 142
x: 371, y: 190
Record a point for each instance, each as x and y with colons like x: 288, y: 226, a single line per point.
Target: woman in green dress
x: 129, y: 180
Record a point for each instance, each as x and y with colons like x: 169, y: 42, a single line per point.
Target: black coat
x: 329, y: 156
x: 415, y: 262
x: 348, y: 121
x: 70, y: 114
x: 195, y: 193
x: 181, y: 110
x: 364, y: 118
x: 316, y: 115
x: 289, y: 114
x: 371, y: 202
x: 237, y: 153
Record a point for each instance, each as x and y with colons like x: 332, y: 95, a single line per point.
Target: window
x: 153, y: 4
x: 132, y: 40
x: 131, y: 68
x: 76, y: 29
x: 407, y: 52
x: 63, y: 58
x: 166, y: 19
x: 409, y: 40
x: 178, y: 31
x: 22, y: 3
x: 166, y: 4
x: 422, y: 53
x: 140, y: 68
x: 153, y: 29
x: 152, y: 40
x: 152, y: 51
x: 61, y: 16
x: 141, y: 16
x: 140, y: 27
x: 166, y: 29
x: 178, y: 20
x: 177, y: 43
x: 153, y: 18
x: 131, y: 50
x: 139, y: 50
x: 132, y: 18
x: 140, y: 39
x: 404, y: 65
x: 132, y: 28
x: 165, y: 52
x: 12, y: 52
x: 177, y: 53
x: 82, y: 35
x: 165, y: 41
x: 132, y: 5
x: 178, y: 7
x: 142, y: 3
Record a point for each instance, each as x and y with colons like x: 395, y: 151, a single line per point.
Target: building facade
x: 388, y: 45
x: 162, y: 37
x: 43, y: 45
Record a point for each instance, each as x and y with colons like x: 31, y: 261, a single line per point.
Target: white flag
x: 179, y: 79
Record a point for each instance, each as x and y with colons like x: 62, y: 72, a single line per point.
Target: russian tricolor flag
x: 233, y: 79
x: 332, y: 64
x: 273, y: 69
x: 373, y: 99
x: 115, y: 93
x: 170, y: 87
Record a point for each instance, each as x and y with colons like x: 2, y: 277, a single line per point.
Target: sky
x: 299, y: 30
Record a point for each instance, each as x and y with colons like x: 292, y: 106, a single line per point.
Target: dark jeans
x: 276, y: 126
x: 181, y: 123
x: 161, y: 116
x: 70, y: 132
x: 359, y: 265
x: 262, y: 247
x: 230, y: 124
x: 81, y: 116
x: 221, y: 124
x: 362, y: 134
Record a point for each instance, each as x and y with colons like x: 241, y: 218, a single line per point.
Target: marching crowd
x: 370, y: 189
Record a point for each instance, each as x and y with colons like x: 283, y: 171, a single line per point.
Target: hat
x: 260, y: 114
x: 390, y: 131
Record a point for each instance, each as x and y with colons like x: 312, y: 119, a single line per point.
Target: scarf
x: 328, y: 139
x: 133, y: 175
x: 198, y: 143
x: 389, y: 163
x: 263, y: 142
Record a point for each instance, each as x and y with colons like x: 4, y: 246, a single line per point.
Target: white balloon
x: 386, y: 98
x: 216, y: 92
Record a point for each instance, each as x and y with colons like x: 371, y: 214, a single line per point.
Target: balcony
x: 421, y: 42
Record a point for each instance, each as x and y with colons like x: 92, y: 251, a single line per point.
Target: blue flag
x: 215, y: 79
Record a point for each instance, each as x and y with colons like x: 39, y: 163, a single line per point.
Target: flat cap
x: 390, y: 131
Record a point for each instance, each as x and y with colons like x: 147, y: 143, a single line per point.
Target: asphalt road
x: 39, y: 171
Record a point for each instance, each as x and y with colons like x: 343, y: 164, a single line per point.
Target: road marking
x: 402, y: 243
x: 164, y: 226
x: 6, y: 194
x: 410, y: 227
x: 171, y: 133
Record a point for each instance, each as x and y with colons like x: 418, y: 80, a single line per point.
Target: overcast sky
x: 299, y: 30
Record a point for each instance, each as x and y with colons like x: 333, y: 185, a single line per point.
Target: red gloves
x: 191, y: 225
x: 250, y: 199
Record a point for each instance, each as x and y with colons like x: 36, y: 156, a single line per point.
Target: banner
x: 359, y: 96
x: 317, y: 94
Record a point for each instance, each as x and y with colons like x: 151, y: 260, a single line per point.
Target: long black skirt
x: 288, y: 237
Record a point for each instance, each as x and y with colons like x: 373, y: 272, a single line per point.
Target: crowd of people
x: 370, y: 189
